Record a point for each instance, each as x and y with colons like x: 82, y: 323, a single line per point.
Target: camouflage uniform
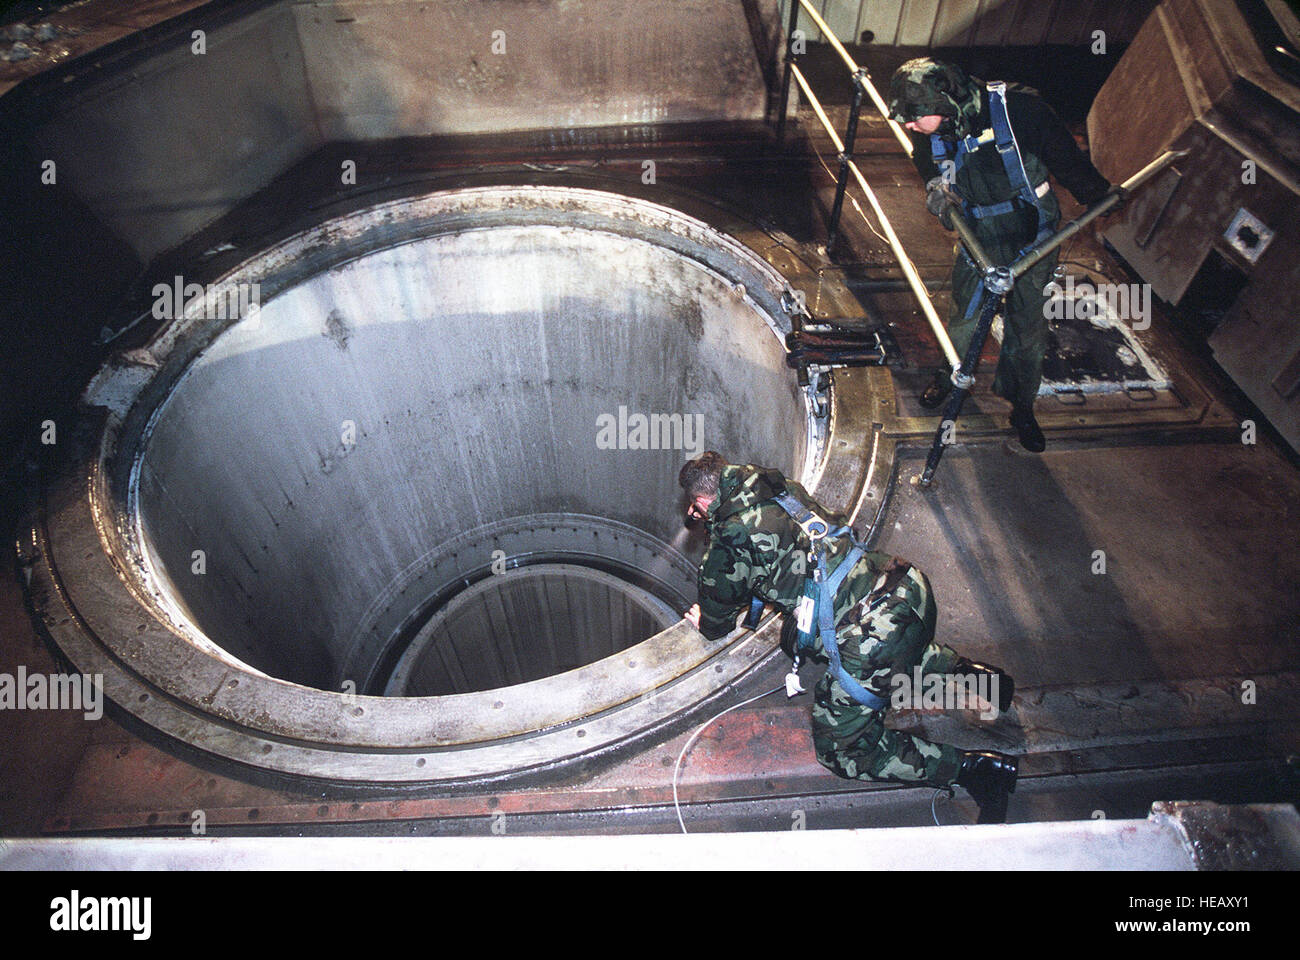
x: 924, y: 87
x: 755, y: 548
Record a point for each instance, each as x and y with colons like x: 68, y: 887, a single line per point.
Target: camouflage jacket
x: 756, y: 548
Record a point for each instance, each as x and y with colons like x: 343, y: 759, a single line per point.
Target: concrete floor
x: 1199, y: 542
x: 1129, y: 681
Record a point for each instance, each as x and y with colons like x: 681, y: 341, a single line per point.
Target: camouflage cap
x: 925, y: 87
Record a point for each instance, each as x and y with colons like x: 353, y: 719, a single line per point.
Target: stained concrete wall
x: 473, y: 369
x: 165, y: 146
x: 412, y: 68
x: 165, y: 141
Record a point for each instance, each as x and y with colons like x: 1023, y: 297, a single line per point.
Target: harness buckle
x: 816, y: 529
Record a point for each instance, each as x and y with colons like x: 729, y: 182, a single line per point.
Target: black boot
x: 938, y: 390
x: 989, y: 778
x: 1006, y: 685
x: 1031, y: 436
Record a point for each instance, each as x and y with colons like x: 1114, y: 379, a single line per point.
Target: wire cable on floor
x: 695, y: 736
x: 851, y: 198
x: 942, y: 791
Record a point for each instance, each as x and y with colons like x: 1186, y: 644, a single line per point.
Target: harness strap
x: 980, y: 211
x: 1004, y: 140
x: 1009, y: 151
x: 830, y: 643
x: 813, y: 526
x: 819, y: 593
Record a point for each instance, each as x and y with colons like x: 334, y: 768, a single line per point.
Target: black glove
x: 1092, y: 200
x: 937, y: 202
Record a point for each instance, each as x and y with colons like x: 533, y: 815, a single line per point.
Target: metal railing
x: 997, y: 280
x: 862, y: 87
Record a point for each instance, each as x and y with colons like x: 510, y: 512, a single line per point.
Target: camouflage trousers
x: 852, y: 740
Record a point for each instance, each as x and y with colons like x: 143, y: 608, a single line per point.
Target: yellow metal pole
x: 909, y: 270
x: 859, y: 75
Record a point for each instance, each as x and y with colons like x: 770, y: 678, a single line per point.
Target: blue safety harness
x: 942, y: 151
x: 819, y: 594
x: 1004, y: 140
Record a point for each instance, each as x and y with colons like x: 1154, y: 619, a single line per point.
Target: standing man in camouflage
x: 954, y: 121
x: 884, y: 616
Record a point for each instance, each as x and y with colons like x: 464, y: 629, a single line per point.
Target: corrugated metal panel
x: 881, y: 18
x: 961, y: 23
x: 954, y: 23
x: 842, y: 17
x: 917, y: 26
x: 1000, y: 20
x: 805, y: 22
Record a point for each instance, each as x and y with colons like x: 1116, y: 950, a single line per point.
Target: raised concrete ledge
x: 1175, y: 837
x: 1152, y: 844
x: 1178, y: 836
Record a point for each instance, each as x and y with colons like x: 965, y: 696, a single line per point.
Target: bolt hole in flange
x: 427, y: 501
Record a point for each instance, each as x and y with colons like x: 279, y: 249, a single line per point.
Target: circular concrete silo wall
x: 395, y: 428
x: 416, y: 519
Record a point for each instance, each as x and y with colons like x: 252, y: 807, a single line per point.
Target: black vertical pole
x: 785, y: 77
x: 993, y: 292
x: 850, y: 135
